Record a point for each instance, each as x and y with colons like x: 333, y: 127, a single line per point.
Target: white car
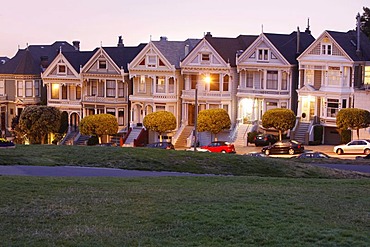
x: 355, y: 146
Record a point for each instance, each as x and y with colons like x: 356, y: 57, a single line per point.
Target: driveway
x: 75, y: 171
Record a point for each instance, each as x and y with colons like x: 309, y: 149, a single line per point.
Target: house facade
x: 333, y: 72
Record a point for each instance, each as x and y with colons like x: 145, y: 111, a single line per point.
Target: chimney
x: 163, y: 38
x: 44, y: 61
x: 120, y: 42
x: 358, y: 50
x: 308, y: 31
x: 208, y: 34
x: 76, y: 45
x: 187, y: 50
x: 298, y: 40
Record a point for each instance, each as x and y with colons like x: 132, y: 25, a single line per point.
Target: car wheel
x: 339, y: 151
x: 291, y: 151
x: 223, y: 151
x: 267, y: 152
x: 367, y: 151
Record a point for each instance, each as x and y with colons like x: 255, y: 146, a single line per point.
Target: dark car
x: 264, y: 139
x: 284, y: 147
x: 363, y: 157
x: 161, y: 145
x: 313, y: 155
x: 6, y: 144
x: 220, y: 147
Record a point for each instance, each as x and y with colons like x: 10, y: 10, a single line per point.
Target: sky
x: 99, y: 23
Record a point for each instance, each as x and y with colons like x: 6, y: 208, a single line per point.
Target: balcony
x: 251, y: 91
x: 104, y: 100
x: 64, y: 102
x: 190, y: 94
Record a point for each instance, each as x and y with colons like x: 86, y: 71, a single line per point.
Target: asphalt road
x: 73, y: 171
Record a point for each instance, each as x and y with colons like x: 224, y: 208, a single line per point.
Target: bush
x: 93, y: 140
x: 318, y: 131
x: 345, y: 136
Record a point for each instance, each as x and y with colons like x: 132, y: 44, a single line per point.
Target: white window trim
x: 65, y: 69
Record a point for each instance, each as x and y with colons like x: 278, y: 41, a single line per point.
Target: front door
x: 191, y: 114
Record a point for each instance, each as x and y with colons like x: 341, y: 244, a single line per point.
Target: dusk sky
x: 94, y: 23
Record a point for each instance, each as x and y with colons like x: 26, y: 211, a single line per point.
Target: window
x: 78, y: 92
x: 249, y: 82
x: 64, y: 92
x: 205, y: 57
x: 55, y: 91
x: 62, y: 69
x: 333, y: 107
x: 20, y: 88
x: 111, y: 111
x: 284, y: 81
x: 334, y: 76
x: 121, y: 92
x: 263, y: 54
x: 272, y: 80
x: 152, y: 61
x: 121, y: 116
x: 226, y: 108
x: 160, y: 85
x: 94, y: 87
x: 2, y: 88
x: 367, y: 75
x: 37, y: 88
x: 111, y: 88
x: 193, y: 81
x: 29, y: 89
x: 214, y: 85
x: 142, y: 84
x: 102, y: 64
x: 101, y: 88
x: 326, y: 49
x: 225, y: 86
x: 171, y: 85
x: 160, y: 107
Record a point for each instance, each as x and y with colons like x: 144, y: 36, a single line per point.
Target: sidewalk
x: 328, y: 149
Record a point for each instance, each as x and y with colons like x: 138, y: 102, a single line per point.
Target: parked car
x: 220, y: 147
x: 355, y: 146
x: 313, y: 155
x: 6, y: 143
x: 284, y: 147
x: 255, y: 154
x: 264, y: 139
x: 161, y: 145
x: 363, y: 157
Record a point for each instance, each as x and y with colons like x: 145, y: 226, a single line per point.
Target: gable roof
x: 228, y: 47
x: 348, y: 42
x: 34, y: 59
x: 123, y: 55
x: 78, y: 58
x: 174, y: 51
x: 287, y: 44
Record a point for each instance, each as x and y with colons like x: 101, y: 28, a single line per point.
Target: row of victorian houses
x: 249, y: 75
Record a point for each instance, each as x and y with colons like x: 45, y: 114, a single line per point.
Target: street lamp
x: 207, y: 79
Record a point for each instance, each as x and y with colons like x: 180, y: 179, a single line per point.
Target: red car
x: 220, y: 147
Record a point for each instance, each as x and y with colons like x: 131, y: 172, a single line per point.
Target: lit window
x: 78, y: 92
x: 214, y: 85
x: 225, y: 86
x: 160, y: 85
x: 55, y: 91
x: 142, y: 84
x: 367, y: 75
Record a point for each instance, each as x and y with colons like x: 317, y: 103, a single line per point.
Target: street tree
x: 160, y: 121
x: 99, y: 125
x: 280, y: 119
x: 36, y: 122
x: 365, y: 21
x: 213, y: 120
x: 353, y: 118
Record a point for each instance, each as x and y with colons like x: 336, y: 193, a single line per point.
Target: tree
x: 280, y: 119
x: 365, y: 21
x: 213, y: 120
x: 160, y: 121
x: 99, y: 125
x: 354, y: 119
x: 36, y: 122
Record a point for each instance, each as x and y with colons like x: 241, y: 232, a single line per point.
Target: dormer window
x: 102, y: 64
x: 62, y: 69
x: 152, y: 61
x: 263, y: 54
x: 205, y: 57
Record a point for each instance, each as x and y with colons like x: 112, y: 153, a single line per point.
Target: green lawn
x: 184, y: 211
x: 266, y: 202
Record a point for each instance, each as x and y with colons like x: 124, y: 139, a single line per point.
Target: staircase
x: 132, y: 136
x: 300, y: 133
x: 242, y: 135
x: 68, y: 139
x: 81, y: 140
x: 181, y: 141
